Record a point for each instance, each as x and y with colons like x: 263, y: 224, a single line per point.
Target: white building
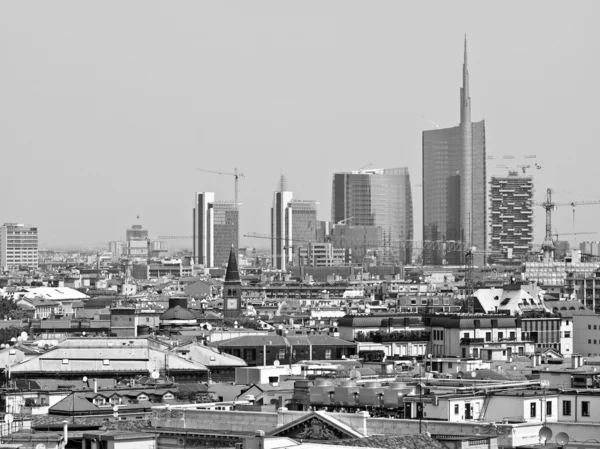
x: 18, y: 246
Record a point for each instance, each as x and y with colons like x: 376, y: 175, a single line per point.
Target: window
x: 532, y: 410
x: 281, y: 354
x: 585, y: 408
x: 594, y: 327
x: 488, y: 336
x: 548, y: 408
x: 513, y: 336
x: 294, y: 353
x: 466, y: 335
x: 566, y: 408
x: 327, y: 354
x: 589, y: 327
x: 500, y: 335
x: 589, y: 341
x: 449, y: 365
x: 567, y: 334
x: 456, y: 409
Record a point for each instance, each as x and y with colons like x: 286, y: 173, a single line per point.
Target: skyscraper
x: 454, y: 185
x: 215, y: 229
x: 293, y: 226
x: 511, y: 216
x: 380, y: 198
x: 18, y: 246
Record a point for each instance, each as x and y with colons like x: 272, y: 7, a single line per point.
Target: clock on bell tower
x: 232, y: 288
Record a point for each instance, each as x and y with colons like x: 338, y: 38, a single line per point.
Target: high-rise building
x: 590, y: 248
x: 381, y: 198
x: 136, y: 239
x: 454, y: 185
x: 293, y: 225
x: 117, y: 248
x: 511, y: 216
x: 18, y: 246
x: 216, y: 225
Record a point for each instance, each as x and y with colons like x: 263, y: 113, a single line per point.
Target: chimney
x: 280, y: 412
x: 95, y: 385
x: 65, y: 433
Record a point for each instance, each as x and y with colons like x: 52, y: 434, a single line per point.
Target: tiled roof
x: 261, y: 340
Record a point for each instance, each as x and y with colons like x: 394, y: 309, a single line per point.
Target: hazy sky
x: 108, y: 107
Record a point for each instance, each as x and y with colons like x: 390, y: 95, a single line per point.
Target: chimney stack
x: 95, y: 385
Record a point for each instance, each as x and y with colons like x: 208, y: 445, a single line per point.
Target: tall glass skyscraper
x: 216, y: 226
x: 293, y: 226
x: 454, y: 185
x: 381, y: 198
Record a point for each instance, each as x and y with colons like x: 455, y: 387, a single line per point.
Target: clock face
x: 232, y: 303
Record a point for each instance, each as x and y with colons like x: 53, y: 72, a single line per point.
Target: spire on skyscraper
x: 465, y: 99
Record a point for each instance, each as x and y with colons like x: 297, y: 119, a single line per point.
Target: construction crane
x: 549, y: 206
x: 557, y: 234
x: 431, y: 121
x: 365, y: 166
x: 341, y: 222
x: 236, y: 175
x: 293, y: 246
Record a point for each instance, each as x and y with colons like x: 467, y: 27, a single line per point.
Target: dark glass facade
x: 442, y: 153
x: 377, y: 198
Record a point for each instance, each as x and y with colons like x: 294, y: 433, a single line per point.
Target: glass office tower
x: 216, y: 225
x: 381, y: 198
x: 454, y: 186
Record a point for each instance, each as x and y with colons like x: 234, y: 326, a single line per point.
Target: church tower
x: 232, y: 288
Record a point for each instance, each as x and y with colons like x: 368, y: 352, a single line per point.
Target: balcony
x: 471, y: 341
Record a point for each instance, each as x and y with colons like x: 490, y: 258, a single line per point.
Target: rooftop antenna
x: 431, y: 121
x: 282, y: 183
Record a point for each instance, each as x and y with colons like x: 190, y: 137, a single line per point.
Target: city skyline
x: 124, y: 120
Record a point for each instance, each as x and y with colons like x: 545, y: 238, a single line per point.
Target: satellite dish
x: 40, y: 446
x: 562, y: 438
x: 473, y: 374
x: 24, y: 335
x: 13, y: 339
x: 116, y: 414
x: 545, y: 433
x: 85, y: 379
x: 115, y: 408
x: 154, y: 375
x: 8, y: 418
x: 276, y: 363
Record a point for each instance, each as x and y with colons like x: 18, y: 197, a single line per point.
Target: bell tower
x: 232, y: 288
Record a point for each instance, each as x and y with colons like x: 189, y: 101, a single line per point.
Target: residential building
x: 511, y: 217
x: 323, y: 255
x: 586, y: 333
x: 263, y: 350
x: 590, y: 248
x: 454, y: 185
x: 116, y: 248
x: 379, y: 198
x: 490, y: 337
x: 216, y: 228
x: 18, y: 246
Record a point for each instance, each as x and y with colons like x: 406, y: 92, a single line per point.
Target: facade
x: 454, y: 185
x: 511, y: 217
x: 18, y: 246
x: 378, y: 198
x: 294, y: 226
x: 356, y: 239
x: 216, y: 228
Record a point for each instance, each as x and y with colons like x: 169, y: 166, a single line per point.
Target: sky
x: 108, y: 108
